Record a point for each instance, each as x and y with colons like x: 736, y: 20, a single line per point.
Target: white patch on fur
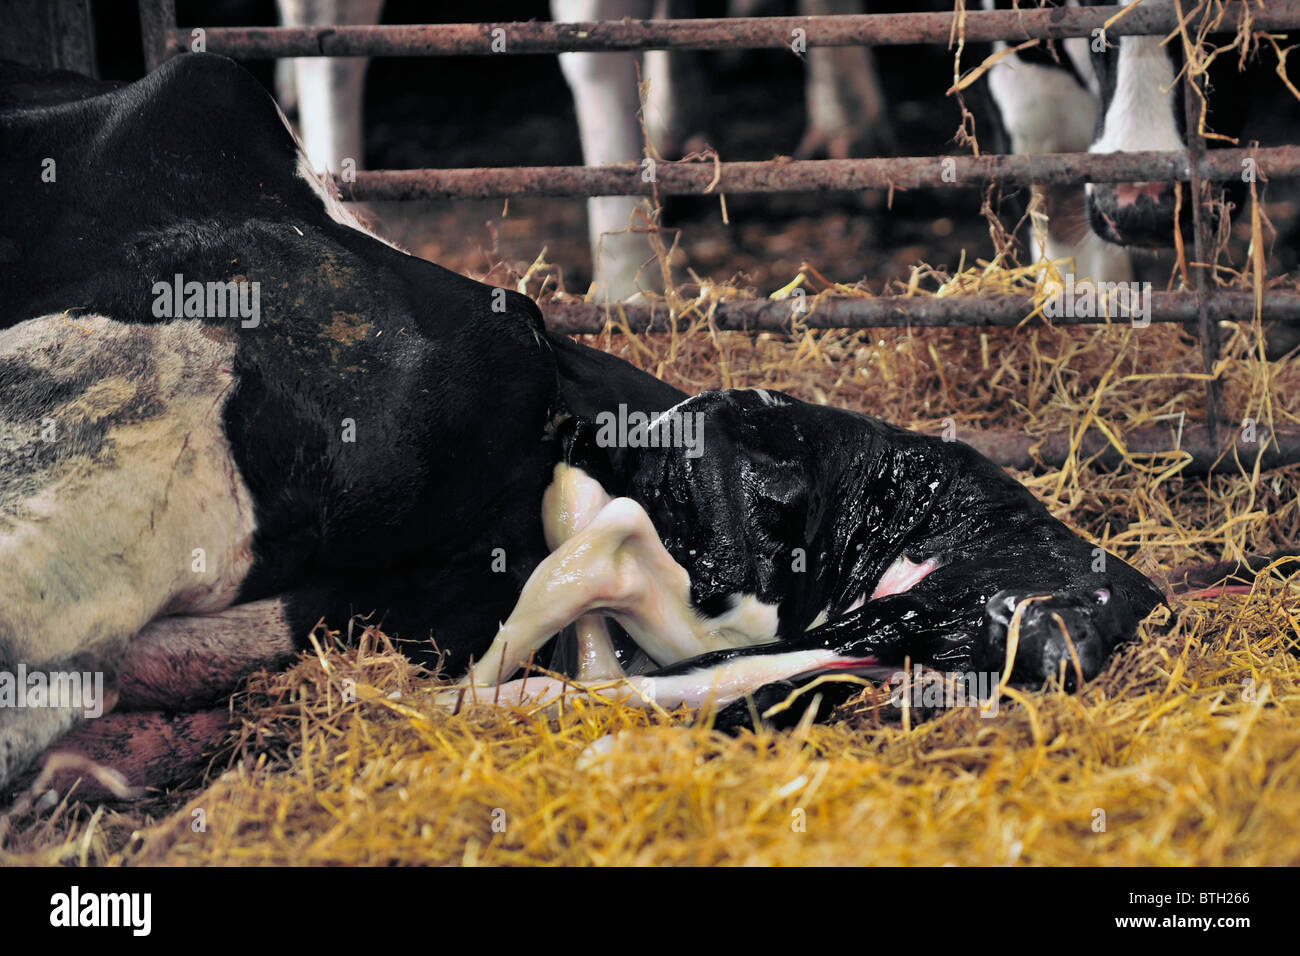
x: 1043, y: 108
x: 323, y: 187
x: 98, y: 528
x: 1140, y: 115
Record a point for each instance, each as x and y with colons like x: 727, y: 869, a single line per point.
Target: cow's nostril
x: 1126, y: 194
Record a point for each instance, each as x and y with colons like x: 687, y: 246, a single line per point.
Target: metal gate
x: 1205, y: 306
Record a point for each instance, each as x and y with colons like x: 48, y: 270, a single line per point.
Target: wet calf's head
x: 1067, y: 635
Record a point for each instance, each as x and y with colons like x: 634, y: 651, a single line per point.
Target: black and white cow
x: 1047, y: 99
x: 1124, y: 94
x: 228, y: 412
x: 1141, y: 108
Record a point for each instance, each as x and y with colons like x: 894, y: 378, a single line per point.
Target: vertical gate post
x: 50, y: 34
x: 1207, y: 330
x: 157, y: 20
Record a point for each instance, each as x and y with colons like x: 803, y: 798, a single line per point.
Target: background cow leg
x: 674, y: 100
x: 604, y: 87
x: 844, y: 98
x: 1067, y: 235
x: 329, y: 91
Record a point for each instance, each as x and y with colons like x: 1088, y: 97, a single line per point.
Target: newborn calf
x: 748, y: 542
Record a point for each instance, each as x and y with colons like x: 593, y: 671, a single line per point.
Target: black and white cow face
x: 1142, y: 108
x: 1046, y: 101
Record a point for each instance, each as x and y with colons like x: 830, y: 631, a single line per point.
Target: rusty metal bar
x: 1015, y: 449
x: 1207, y: 331
x: 158, y: 32
x: 775, y: 33
x: 574, y: 316
x: 808, y: 176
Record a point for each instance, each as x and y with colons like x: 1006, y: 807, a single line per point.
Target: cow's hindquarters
x: 119, y: 502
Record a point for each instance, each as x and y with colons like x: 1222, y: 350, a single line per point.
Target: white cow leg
x: 571, y: 501
x: 330, y: 90
x: 844, y: 98
x: 674, y: 106
x: 596, y: 657
x: 329, y: 110
x: 604, y: 87
x: 1066, y: 235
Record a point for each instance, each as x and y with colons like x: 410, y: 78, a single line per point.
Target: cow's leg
x: 330, y: 90
x: 174, y: 669
x: 617, y: 566
x: 184, y: 662
x: 126, y: 752
x: 845, y: 100
x: 1065, y: 618
x: 711, y: 683
x: 609, y: 565
x: 39, y: 703
x: 1065, y: 235
x: 673, y: 105
x: 604, y: 87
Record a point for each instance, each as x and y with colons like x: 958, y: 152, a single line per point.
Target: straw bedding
x: 1186, y: 750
